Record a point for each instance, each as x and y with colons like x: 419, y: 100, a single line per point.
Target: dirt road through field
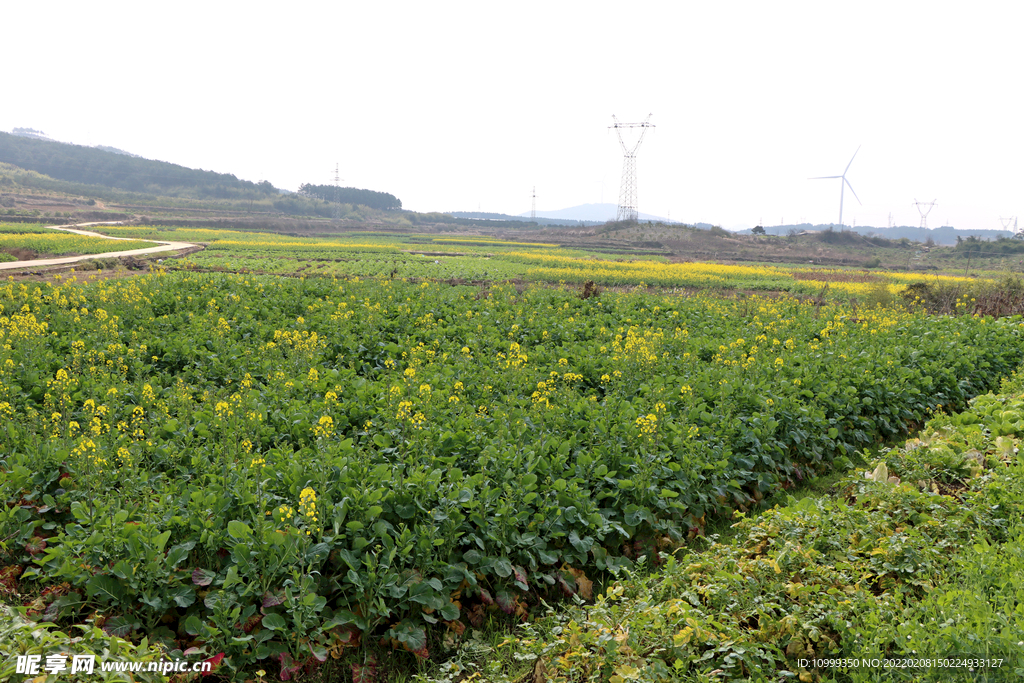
x: 36, y: 263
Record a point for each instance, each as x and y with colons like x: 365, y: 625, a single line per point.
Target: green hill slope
x: 92, y: 166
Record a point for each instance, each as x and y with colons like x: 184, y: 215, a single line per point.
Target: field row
x: 914, y: 571
x: 42, y: 240
x: 367, y: 254
x: 307, y: 466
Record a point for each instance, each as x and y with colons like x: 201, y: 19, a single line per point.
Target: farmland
x: 34, y: 240
x: 288, y: 470
x: 474, y: 258
x: 909, y: 571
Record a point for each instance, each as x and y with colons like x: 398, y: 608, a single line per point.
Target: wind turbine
x: 842, y: 186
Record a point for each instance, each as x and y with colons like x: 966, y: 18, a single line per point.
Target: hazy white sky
x: 465, y: 105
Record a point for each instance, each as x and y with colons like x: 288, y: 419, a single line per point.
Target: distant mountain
x: 946, y: 235
x: 598, y: 213
x: 30, y: 150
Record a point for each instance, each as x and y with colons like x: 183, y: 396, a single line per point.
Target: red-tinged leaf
x: 35, y: 545
x: 485, y: 597
x: 319, y: 655
x: 520, y: 573
x: 9, y: 579
x: 271, y: 600
x: 118, y: 626
x: 214, y: 663
x: 203, y: 577
x: 422, y: 653
x: 476, y: 615
x: 364, y: 673
x: 506, y: 601
x: 288, y: 666
x: 51, y: 593
x: 251, y: 623
x: 567, y: 590
x: 51, y: 612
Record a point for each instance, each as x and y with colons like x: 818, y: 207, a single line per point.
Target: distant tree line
x: 972, y: 247
x: 91, y: 166
x: 350, y: 195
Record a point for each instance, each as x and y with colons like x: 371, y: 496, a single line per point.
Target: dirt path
x: 36, y: 263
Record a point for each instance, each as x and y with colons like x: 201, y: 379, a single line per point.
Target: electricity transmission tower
x: 337, y: 194
x: 924, y: 211
x: 533, y: 209
x: 627, y: 193
x: 1007, y: 221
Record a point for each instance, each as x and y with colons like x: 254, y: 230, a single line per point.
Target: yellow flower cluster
x: 647, y: 424
x: 86, y: 448
x: 307, y: 508
x: 324, y: 428
x: 641, y: 349
x: 542, y: 396
x: 515, y: 358
x: 405, y: 413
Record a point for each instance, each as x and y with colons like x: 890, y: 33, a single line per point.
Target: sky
x: 466, y: 106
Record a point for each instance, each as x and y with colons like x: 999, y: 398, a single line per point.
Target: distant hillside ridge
x: 597, y: 213
x: 946, y: 235
x: 539, y: 220
x: 92, y: 166
x: 351, y: 195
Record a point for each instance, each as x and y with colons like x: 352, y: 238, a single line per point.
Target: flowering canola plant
x: 416, y: 456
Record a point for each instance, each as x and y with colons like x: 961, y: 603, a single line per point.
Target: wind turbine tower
x: 843, y: 184
x: 924, y: 211
x: 627, y: 192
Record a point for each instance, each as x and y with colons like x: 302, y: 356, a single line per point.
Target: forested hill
x: 350, y: 195
x: 92, y: 166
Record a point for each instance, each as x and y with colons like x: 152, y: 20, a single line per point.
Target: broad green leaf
x: 106, y: 588
x: 274, y: 622
x: 239, y: 530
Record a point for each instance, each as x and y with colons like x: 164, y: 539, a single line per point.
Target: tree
x: 758, y: 230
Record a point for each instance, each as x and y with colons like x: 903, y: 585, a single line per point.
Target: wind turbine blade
x: 825, y: 177
x: 854, y: 192
x: 851, y: 161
